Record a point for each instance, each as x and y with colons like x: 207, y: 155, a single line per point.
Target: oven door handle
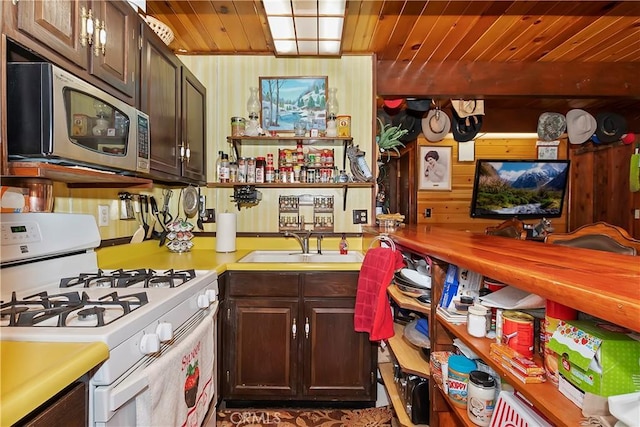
x: 109, y: 398
x: 132, y: 386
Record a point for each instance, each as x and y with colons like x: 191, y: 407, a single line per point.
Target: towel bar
x: 383, y: 238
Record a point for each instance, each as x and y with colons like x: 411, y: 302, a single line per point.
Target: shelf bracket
x: 344, y: 154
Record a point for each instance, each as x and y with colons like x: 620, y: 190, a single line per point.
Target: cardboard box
x: 597, y: 357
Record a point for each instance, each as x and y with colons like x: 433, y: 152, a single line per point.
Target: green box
x: 597, y: 357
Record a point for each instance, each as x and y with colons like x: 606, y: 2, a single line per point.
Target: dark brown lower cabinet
x: 67, y: 409
x: 290, y: 336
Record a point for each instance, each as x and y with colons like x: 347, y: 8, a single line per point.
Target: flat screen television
x: 525, y: 189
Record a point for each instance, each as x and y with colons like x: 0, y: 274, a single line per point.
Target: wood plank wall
x: 450, y: 209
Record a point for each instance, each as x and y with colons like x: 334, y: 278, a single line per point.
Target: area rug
x: 370, y: 417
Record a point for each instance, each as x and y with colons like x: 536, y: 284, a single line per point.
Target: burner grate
x: 56, y: 310
x: 130, y: 278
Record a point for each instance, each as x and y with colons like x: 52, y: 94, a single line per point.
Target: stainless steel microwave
x: 54, y: 116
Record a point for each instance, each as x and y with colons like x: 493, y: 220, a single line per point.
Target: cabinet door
x: 68, y: 409
x: 262, y: 351
x: 338, y: 360
x: 56, y: 24
x: 160, y: 99
x: 117, y: 66
x: 194, y: 98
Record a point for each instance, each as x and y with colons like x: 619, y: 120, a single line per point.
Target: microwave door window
x: 96, y: 125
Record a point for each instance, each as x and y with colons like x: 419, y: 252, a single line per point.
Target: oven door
x: 132, y: 399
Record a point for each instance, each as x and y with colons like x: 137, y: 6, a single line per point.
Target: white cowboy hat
x: 580, y: 126
x: 468, y: 107
x: 436, y: 125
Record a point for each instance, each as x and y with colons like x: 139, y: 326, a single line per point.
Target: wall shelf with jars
x: 306, y: 212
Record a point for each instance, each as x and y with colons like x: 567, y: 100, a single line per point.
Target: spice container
x: 237, y: 126
x: 260, y: 169
x: 481, y: 397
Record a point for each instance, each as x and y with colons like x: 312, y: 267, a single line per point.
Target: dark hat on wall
x: 465, y: 129
x: 610, y: 127
x: 551, y: 126
x: 580, y: 126
x: 436, y: 125
x: 421, y: 105
x: 384, y: 116
x: 408, y: 120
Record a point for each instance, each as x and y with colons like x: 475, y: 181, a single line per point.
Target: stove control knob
x: 211, y: 294
x: 203, y: 301
x: 164, y: 330
x: 149, y: 344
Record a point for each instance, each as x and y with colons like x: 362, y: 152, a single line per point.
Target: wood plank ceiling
x: 537, y: 55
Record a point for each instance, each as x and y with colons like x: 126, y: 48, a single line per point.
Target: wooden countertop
x: 602, y: 284
x: 33, y: 372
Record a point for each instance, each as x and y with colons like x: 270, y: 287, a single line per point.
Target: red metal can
x: 517, y: 332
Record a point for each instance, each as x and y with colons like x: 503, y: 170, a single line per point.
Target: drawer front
x: 263, y: 284
x: 330, y: 284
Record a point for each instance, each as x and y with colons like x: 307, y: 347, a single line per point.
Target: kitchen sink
x: 295, y: 257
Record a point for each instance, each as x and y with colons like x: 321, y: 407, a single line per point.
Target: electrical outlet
x: 360, y: 216
x: 427, y: 213
x: 103, y: 215
x: 209, y: 216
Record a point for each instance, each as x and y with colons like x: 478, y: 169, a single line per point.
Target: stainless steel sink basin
x: 296, y: 257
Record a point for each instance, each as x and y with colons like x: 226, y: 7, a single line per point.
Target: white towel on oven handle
x: 180, y: 382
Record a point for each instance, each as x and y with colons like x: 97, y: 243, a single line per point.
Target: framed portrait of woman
x: 434, y: 168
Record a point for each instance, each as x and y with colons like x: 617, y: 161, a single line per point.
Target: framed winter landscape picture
x: 288, y: 100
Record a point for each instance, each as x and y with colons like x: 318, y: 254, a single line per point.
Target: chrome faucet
x: 302, y: 240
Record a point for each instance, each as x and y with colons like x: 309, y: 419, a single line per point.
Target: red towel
x: 372, y: 311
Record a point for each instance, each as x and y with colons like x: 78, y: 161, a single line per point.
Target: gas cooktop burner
x: 141, y: 278
x: 68, y: 309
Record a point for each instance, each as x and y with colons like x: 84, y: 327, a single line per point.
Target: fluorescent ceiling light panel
x: 306, y: 22
x: 277, y: 7
x: 281, y: 28
x: 330, y: 28
x: 329, y: 47
x: 286, y: 47
x: 306, y: 28
x: 305, y: 8
x: 331, y: 7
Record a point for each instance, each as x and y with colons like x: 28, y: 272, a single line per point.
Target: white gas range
x: 52, y: 290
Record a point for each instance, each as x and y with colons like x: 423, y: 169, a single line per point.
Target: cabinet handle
x: 182, y: 150
x: 294, y: 329
x: 101, y: 38
x: 306, y: 327
x: 86, y: 31
x: 188, y: 153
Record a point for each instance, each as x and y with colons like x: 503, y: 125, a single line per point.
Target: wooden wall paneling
x: 600, y: 187
x: 451, y: 209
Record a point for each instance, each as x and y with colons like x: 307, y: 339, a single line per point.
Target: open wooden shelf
x: 408, y: 356
x: 407, y: 302
x: 386, y: 370
x: 75, y: 176
x: 545, y: 397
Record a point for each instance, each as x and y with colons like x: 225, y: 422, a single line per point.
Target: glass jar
x: 477, y: 320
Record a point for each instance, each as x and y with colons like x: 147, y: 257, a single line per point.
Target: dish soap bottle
x: 344, y: 246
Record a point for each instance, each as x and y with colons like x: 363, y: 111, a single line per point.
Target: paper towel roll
x: 226, y: 232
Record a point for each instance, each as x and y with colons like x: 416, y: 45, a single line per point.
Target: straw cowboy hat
x: 436, y: 125
x: 468, y: 107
